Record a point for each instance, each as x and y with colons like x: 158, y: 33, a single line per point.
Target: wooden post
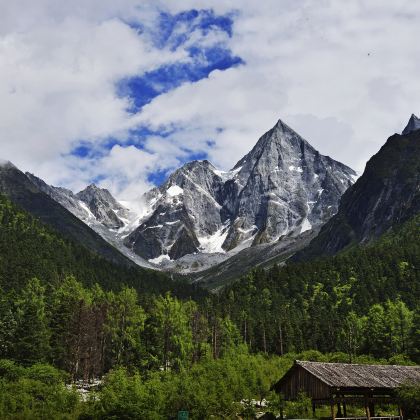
x: 372, y: 409
x: 281, y: 339
x: 332, y: 410
x: 367, y: 410
x: 339, y: 413
x: 344, y: 407
x: 400, y: 412
x: 313, y: 409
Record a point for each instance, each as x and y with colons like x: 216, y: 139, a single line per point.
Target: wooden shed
x: 340, y: 384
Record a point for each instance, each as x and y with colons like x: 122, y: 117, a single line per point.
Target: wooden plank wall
x: 301, y: 380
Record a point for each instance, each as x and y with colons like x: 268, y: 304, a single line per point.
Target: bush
x: 47, y: 374
x: 35, y: 392
x: 410, y: 400
x: 10, y: 371
x: 301, y: 408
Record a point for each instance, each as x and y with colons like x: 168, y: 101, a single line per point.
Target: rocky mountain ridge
x: 387, y: 194
x: 282, y: 188
x: 98, y: 209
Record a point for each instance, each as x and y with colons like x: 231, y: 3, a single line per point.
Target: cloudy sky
x: 122, y: 92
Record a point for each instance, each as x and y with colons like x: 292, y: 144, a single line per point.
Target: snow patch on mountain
x: 306, y: 225
x: 294, y: 168
x: 227, y: 175
x: 160, y: 259
x: 214, y: 243
x: 174, y: 190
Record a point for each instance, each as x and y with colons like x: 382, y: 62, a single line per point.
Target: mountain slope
x: 29, y: 248
x: 92, y: 205
x: 387, y: 194
x: 21, y: 191
x: 313, y: 302
x: 248, y: 259
x: 98, y: 209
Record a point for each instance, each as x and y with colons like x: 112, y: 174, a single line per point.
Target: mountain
x: 285, y: 186
x: 185, y: 215
x: 22, y: 191
x: 282, y: 188
x: 387, y: 194
x: 98, y: 209
x: 201, y: 216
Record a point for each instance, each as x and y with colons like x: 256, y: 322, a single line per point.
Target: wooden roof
x: 345, y: 375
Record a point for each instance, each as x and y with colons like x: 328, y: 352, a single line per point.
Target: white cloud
x: 344, y: 74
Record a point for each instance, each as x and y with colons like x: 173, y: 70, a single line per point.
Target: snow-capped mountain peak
x: 283, y: 186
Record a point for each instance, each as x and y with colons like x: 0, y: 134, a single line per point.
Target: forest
x: 161, y: 346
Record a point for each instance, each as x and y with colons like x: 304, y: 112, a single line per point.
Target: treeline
x: 363, y: 301
x: 87, y: 331
x: 31, y: 249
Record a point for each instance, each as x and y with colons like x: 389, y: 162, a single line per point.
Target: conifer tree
x: 7, y: 326
x: 32, y: 334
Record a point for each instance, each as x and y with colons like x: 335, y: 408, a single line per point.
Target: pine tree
x: 169, y: 333
x: 124, y: 325
x: 7, y: 327
x: 414, y: 336
x: 32, y: 334
x: 376, y: 331
x: 70, y: 319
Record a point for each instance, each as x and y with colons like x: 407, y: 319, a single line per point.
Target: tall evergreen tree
x: 124, y: 325
x: 7, y: 326
x: 69, y: 325
x: 32, y: 334
x: 169, y: 332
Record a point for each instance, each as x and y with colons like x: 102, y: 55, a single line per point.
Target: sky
x: 121, y: 93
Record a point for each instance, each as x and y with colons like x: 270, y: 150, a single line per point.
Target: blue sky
x: 202, y: 59
x: 122, y: 93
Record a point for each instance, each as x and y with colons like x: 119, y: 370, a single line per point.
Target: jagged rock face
x: 388, y: 193
x: 93, y: 205
x: 98, y: 209
x: 282, y: 187
x: 185, y: 208
x: 103, y: 206
x: 285, y: 186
